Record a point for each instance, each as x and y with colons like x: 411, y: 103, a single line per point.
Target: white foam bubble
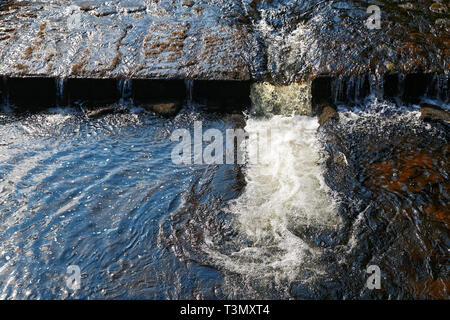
x: 285, y: 189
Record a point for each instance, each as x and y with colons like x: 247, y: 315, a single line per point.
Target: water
x: 303, y: 218
x: 285, y: 191
x: 125, y: 91
x: 281, y: 40
x: 393, y: 188
x: 95, y: 193
x: 189, y: 90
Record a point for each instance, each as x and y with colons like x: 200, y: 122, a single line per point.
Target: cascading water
x: 285, y: 192
x: 309, y: 212
x: 189, y: 83
x: 60, y: 91
x: 124, y: 87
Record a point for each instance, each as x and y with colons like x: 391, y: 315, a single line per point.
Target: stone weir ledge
x: 307, y: 52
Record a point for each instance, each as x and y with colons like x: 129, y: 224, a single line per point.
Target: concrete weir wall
x: 167, y: 39
x: 275, y: 41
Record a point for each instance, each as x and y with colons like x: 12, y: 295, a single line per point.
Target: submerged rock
x: 429, y: 112
x: 99, y: 112
x: 164, y: 108
x: 391, y: 172
x: 328, y: 114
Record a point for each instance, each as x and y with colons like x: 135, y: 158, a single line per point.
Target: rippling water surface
x: 304, y: 221
x: 95, y: 193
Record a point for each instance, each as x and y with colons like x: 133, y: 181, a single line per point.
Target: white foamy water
x: 285, y: 190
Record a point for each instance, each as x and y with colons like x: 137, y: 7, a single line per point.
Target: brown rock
x: 98, y: 112
x: 188, y: 3
x: 431, y: 112
x: 328, y: 113
x: 164, y: 108
x: 87, y: 5
x: 438, y: 8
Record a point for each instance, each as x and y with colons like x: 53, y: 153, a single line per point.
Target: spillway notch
x: 149, y: 90
x: 221, y: 95
x: 29, y: 94
x: 93, y: 92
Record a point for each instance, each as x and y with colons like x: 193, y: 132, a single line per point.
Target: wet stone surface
x: 133, y: 39
x: 277, y: 41
x: 393, y: 182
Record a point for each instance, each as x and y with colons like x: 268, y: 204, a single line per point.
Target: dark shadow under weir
x: 95, y: 91
x: 29, y: 94
x: 146, y: 91
x: 410, y: 88
x: 37, y: 93
x: 228, y: 96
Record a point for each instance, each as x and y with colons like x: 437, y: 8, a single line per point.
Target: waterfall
x: 189, y: 83
x: 349, y: 89
x: 338, y: 86
x: 444, y: 87
x: 438, y: 87
x: 125, y: 90
x: 5, y: 94
x: 401, y: 87
x: 285, y: 191
x: 355, y: 89
x: 60, y: 84
x: 376, y: 86
x: 290, y: 99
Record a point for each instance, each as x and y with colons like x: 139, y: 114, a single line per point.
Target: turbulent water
x: 306, y: 214
x: 304, y: 217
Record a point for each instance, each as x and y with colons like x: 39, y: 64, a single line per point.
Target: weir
x: 281, y: 55
x: 301, y: 215
x: 260, y: 41
x: 302, y: 98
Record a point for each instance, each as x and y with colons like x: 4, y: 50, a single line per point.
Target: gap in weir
x: 35, y: 94
x: 30, y: 94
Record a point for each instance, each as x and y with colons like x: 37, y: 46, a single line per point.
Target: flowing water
x: 303, y: 218
x: 306, y: 214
